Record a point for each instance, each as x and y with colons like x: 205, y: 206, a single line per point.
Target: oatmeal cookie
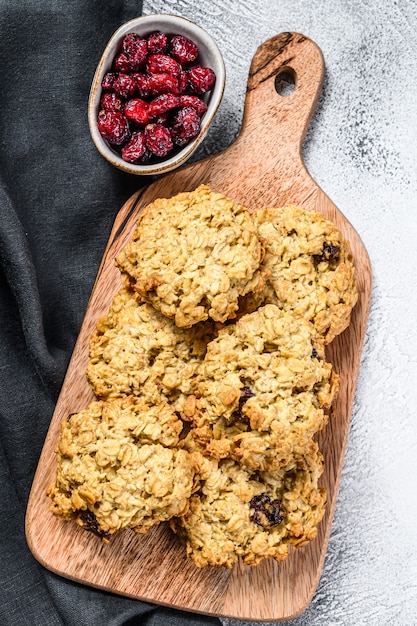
x: 119, y: 467
x: 265, y: 387
x: 253, y: 515
x: 311, y: 268
x: 136, y: 350
x: 193, y: 255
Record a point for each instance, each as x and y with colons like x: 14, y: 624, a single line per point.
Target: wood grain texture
x: 263, y: 167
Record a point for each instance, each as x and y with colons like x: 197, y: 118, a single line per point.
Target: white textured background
x: 361, y: 148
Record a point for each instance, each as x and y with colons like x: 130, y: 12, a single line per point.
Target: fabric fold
x: 58, y: 202
x: 20, y: 273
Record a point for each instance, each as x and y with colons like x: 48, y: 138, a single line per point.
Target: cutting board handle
x: 275, y: 123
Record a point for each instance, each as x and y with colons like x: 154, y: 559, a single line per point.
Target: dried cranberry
x: 130, y: 43
x: 149, y: 102
x: 266, y: 512
x: 136, y: 50
x: 158, y: 139
x: 163, y: 64
x: 161, y: 104
x: 135, y: 148
x: 137, y: 110
x: 113, y: 126
x: 125, y: 86
x: 122, y: 63
x: 157, y: 42
x: 142, y: 83
x: 201, y: 79
x: 108, y: 81
x: 185, y: 126
x: 162, y: 83
x: 182, y: 82
x: 146, y: 158
x: 195, y: 102
x: 163, y: 119
x: 183, y: 49
x: 110, y: 102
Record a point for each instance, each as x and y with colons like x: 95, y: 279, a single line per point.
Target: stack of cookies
x: 211, y: 381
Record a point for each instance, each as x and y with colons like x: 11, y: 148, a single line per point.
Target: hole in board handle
x: 285, y: 82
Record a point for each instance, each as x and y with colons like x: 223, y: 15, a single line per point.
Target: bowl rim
x: 155, y: 22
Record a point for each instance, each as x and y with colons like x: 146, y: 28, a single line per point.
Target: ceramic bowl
x: 209, y: 55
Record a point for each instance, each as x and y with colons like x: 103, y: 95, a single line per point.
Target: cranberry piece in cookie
x: 266, y: 512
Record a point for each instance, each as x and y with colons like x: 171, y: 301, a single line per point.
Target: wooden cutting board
x: 263, y: 167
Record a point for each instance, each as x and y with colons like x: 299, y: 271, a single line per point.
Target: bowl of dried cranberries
x: 155, y: 92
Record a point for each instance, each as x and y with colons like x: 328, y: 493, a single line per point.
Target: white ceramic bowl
x: 209, y: 55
